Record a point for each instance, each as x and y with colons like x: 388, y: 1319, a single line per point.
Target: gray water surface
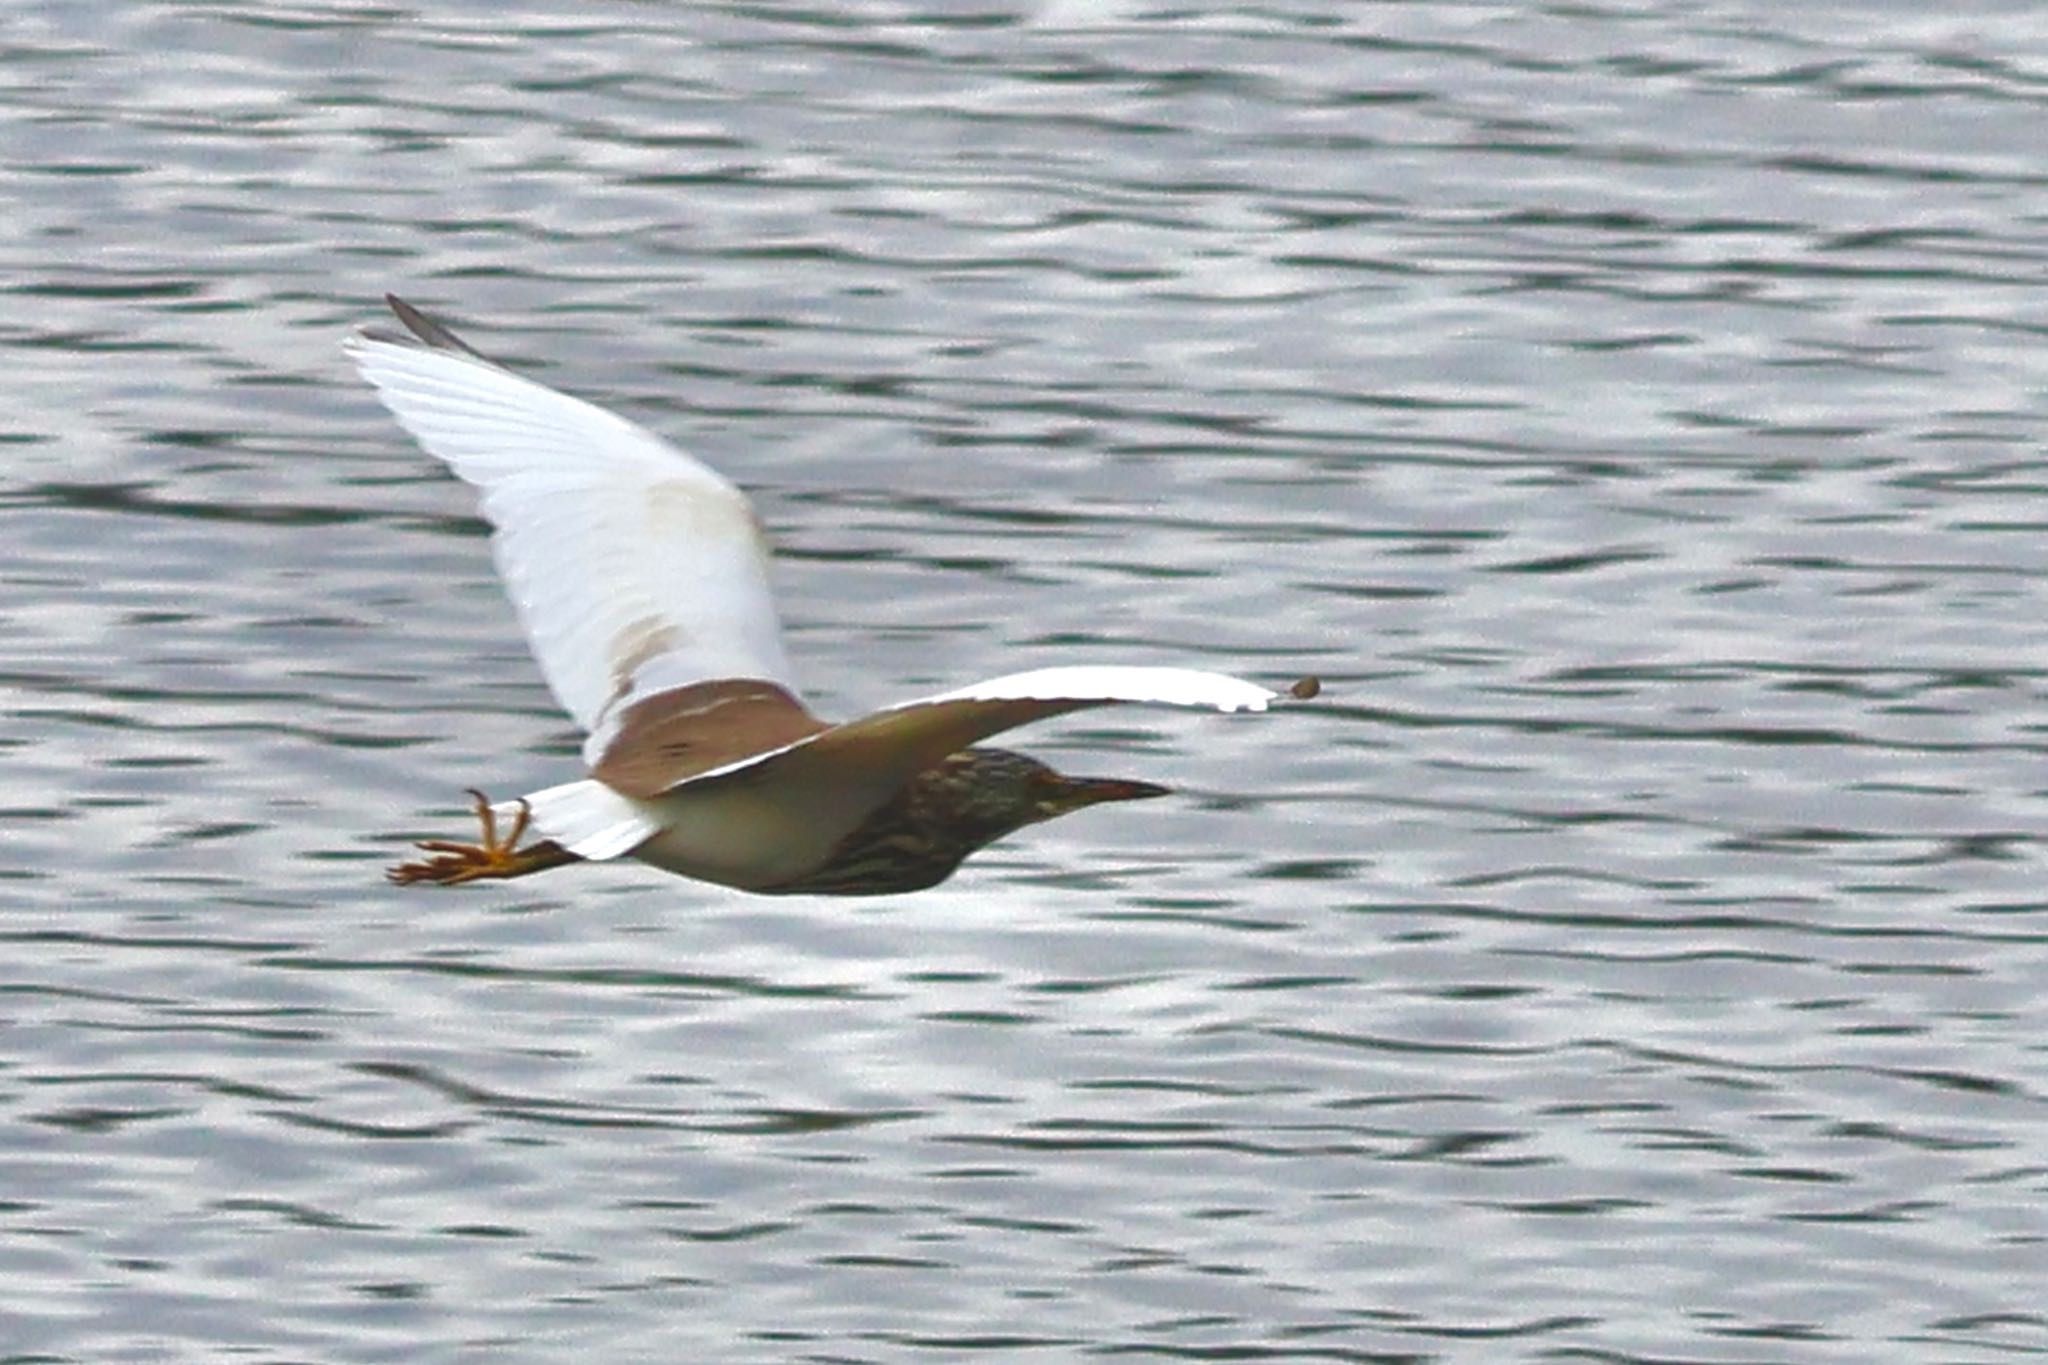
x: 1634, y: 412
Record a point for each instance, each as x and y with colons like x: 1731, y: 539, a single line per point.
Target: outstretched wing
x: 883, y: 750
x: 910, y: 736
x: 634, y: 568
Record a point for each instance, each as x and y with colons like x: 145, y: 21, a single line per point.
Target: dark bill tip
x: 1087, y: 791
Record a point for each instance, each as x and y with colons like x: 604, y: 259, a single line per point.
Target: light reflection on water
x: 1633, y: 416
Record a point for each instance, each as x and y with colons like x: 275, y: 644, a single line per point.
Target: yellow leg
x: 494, y: 857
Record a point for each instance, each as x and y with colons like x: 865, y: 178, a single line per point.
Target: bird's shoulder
x: 668, y: 737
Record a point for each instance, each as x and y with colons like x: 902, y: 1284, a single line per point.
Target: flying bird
x: 640, y: 576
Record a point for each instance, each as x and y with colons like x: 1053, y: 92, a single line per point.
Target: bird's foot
x: 496, y: 856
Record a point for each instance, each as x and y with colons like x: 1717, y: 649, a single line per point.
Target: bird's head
x: 1055, y: 794
x: 989, y: 792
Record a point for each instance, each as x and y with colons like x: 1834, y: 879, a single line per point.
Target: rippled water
x: 1632, y: 410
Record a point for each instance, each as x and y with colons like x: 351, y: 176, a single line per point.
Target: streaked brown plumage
x: 969, y: 800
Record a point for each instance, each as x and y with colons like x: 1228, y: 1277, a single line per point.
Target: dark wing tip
x: 428, y: 330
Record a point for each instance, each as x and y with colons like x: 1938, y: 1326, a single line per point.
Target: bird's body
x: 961, y: 803
x: 640, y: 576
x: 738, y: 834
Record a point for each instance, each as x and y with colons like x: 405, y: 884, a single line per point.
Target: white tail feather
x: 588, y: 818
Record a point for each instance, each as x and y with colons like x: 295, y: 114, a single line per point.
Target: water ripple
x: 1631, y: 412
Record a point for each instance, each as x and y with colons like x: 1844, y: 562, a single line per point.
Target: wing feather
x: 871, y: 758
x: 623, y: 556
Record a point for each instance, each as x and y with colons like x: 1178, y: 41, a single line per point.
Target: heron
x: 640, y: 577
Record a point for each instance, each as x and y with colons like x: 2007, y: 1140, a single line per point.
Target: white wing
x: 1099, y: 685
x: 632, y: 566
x: 867, y: 760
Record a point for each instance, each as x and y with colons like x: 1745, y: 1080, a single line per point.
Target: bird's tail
x: 588, y: 818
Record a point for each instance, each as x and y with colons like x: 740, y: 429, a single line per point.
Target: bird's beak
x: 1076, y: 792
